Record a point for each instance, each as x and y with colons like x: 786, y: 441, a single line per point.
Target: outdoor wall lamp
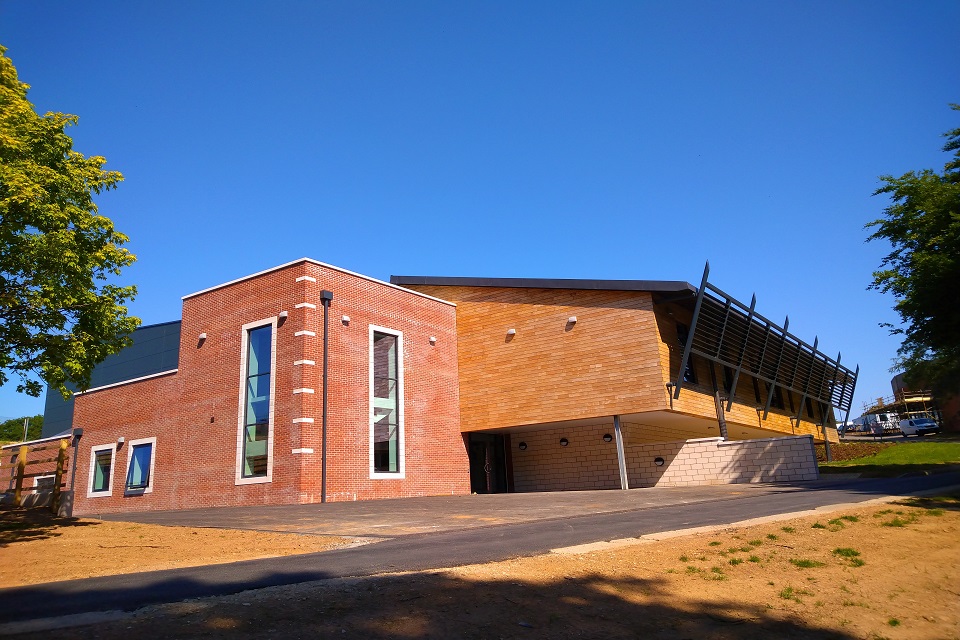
x: 658, y: 461
x: 283, y: 315
x: 564, y: 442
x: 511, y: 332
x: 200, y: 339
x: 607, y: 437
x: 345, y: 320
x: 523, y: 446
x: 120, y: 442
x: 433, y: 339
x: 572, y: 320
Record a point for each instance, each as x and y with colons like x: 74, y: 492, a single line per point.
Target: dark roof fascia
x: 546, y: 283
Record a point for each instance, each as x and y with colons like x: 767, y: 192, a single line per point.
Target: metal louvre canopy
x: 726, y: 331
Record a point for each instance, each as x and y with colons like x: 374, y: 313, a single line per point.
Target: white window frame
x: 153, y: 458
x: 94, y: 450
x: 244, y: 346
x: 400, y: 474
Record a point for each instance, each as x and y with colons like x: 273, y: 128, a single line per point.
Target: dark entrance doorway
x: 488, y: 464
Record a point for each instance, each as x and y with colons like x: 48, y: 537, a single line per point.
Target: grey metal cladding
x: 155, y: 349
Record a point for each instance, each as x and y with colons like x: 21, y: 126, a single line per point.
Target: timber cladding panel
x: 606, y: 363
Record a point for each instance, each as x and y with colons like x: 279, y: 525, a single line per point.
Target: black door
x: 488, y: 469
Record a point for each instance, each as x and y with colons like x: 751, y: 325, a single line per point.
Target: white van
x: 918, y: 427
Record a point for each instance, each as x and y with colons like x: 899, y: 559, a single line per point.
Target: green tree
x: 58, y: 314
x: 12, y: 430
x: 922, y: 271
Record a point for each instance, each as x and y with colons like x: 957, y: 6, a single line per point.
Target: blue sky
x: 626, y: 140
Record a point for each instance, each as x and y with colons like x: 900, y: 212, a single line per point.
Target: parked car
x: 918, y: 427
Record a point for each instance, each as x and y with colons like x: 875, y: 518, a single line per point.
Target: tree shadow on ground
x: 444, y: 605
x: 946, y: 502
x: 22, y: 525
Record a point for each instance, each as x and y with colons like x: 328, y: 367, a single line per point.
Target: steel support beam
x: 693, y: 330
x: 743, y: 347
x: 776, y: 370
x: 621, y: 456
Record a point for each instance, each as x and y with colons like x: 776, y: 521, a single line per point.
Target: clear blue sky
x: 630, y: 140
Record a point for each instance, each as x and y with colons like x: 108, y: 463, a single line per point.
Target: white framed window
x: 258, y: 359
x: 102, y: 458
x: 140, y: 461
x: 386, y: 403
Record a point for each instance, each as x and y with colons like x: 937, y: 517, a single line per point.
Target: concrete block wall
x: 587, y: 462
x: 715, y: 461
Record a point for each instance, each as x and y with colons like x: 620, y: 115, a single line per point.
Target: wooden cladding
x: 550, y: 369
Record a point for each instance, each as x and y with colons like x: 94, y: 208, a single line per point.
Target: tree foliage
x: 12, y: 430
x: 922, y: 271
x: 58, y: 314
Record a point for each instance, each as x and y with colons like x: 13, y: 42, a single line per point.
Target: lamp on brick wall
x: 523, y: 446
x: 564, y: 442
x: 607, y: 437
x: 511, y: 332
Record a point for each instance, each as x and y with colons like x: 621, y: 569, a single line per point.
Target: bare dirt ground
x: 37, y: 548
x: 887, y: 571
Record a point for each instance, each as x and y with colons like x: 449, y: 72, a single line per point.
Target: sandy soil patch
x: 869, y: 572
x: 36, y: 548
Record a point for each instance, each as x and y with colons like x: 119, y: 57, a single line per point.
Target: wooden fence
x: 35, y: 462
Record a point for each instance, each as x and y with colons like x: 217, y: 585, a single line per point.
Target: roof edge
x: 547, y: 283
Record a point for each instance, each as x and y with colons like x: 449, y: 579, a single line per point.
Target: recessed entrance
x: 488, y: 463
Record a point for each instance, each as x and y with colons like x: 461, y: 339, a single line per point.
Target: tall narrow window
x: 257, y: 387
x: 386, y: 381
x: 140, y: 466
x: 101, y: 470
x: 256, y: 418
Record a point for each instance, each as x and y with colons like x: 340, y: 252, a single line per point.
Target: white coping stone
x: 304, y: 450
x: 304, y: 305
x: 297, y: 363
x: 304, y: 390
x: 307, y: 420
x: 305, y: 333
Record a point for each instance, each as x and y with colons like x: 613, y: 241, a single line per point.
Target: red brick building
x: 515, y: 385
x: 193, y: 437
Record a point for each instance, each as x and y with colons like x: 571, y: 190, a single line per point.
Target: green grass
x: 900, y: 459
x: 804, y: 563
x: 787, y: 529
x: 754, y: 558
x: 817, y: 525
x: 736, y: 561
x: 846, y: 552
x: 715, y: 543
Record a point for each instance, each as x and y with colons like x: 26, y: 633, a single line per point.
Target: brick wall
x: 195, y: 412
x: 587, y: 462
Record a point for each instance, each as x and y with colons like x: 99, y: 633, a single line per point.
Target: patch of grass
x: 897, y: 522
x: 715, y: 543
x: 805, y: 563
x: 692, y: 569
x: 850, y: 518
x: 771, y: 536
x: 733, y: 549
x: 817, y: 525
x: 684, y: 559
x: 755, y: 543
x: 754, y: 558
x: 899, y: 459
x: 736, y: 561
x: 746, y: 549
x: 836, y: 524
x: 935, y: 512
x: 789, y: 593
x: 717, y: 574
x: 846, y: 552
x: 893, y: 622
x: 787, y: 529
x: 857, y: 562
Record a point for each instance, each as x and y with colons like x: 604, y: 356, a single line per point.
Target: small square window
x: 101, y: 470
x: 140, y: 466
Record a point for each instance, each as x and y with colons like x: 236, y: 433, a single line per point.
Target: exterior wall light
x: 572, y: 320
x: 345, y: 319
x: 433, y: 339
x: 523, y: 446
x: 607, y: 437
x: 511, y: 332
x: 564, y: 442
x: 120, y: 442
x: 283, y: 315
x: 200, y: 339
x: 658, y: 461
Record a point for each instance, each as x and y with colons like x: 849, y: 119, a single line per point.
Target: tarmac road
x: 420, y: 551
